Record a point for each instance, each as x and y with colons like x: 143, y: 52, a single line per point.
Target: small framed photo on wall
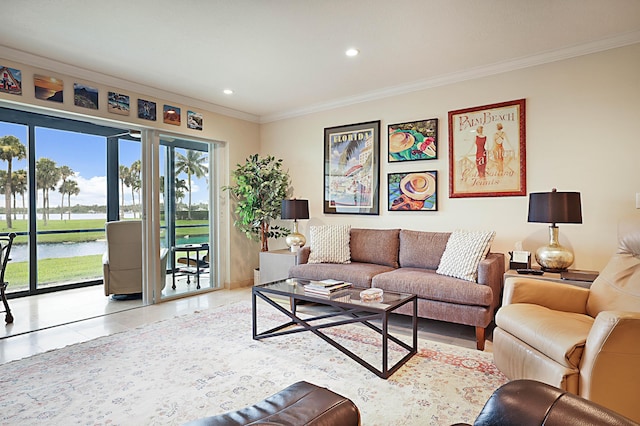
x: 413, y: 191
x: 415, y: 140
x: 146, y: 110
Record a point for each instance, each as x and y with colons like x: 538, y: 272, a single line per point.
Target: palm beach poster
x: 487, y: 151
x: 352, y: 168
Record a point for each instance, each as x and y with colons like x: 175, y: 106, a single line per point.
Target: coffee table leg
x: 385, y: 345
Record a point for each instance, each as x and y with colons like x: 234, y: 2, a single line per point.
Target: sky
x: 86, y: 156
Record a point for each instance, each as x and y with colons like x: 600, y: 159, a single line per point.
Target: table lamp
x: 554, y: 207
x: 295, y: 209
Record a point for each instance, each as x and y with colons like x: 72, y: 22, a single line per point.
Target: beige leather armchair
x: 585, y: 341
x: 122, y: 262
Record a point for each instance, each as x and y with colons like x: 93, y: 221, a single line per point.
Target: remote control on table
x: 530, y: 271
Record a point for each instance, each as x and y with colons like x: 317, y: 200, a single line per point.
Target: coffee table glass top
x: 295, y: 287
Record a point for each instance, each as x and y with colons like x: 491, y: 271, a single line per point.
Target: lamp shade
x: 295, y: 209
x: 555, y: 207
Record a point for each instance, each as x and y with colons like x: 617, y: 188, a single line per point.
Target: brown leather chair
x: 585, y: 341
x: 302, y: 403
x: 532, y: 403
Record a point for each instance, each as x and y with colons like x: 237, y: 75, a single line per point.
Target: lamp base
x: 295, y: 240
x: 554, y: 257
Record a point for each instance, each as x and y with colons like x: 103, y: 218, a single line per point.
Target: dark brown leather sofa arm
x: 533, y: 403
x: 301, y: 403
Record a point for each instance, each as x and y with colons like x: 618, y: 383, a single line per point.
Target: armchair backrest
x: 617, y: 288
x: 124, y: 245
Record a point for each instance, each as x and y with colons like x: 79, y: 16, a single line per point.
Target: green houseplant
x: 260, y: 186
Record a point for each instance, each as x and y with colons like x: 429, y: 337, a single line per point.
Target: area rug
x: 206, y: 363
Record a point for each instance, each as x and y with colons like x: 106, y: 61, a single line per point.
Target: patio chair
x: 122, y: 262
x: 5, y: 248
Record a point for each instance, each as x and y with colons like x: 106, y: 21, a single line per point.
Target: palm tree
x: 123, y: 174
x: 181, y: 187
x: 47, y: 175
x: 133, y: 181
x: 69, y: 187
x: 193, y: 164
x: 10, y: 148
x: 19, y: 182
x: 65, y: 172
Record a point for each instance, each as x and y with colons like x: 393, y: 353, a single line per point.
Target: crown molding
x: 118, y: 83
x: 470, y: 74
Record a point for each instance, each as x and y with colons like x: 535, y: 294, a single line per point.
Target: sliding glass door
x: 61, y: 180
x: 187, y: 219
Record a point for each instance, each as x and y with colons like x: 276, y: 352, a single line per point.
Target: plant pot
x: 256, y: 276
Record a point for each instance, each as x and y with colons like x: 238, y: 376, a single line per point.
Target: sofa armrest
x: 491, y: 273
x: 610, y: 364
x: 556, y: 296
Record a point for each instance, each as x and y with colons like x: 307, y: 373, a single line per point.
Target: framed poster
x: 487, y: 151
x: 415, y: 140
x: 352, y: 168
x: 413, y: 191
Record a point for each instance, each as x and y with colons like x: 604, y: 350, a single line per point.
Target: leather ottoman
x: 301, y: 403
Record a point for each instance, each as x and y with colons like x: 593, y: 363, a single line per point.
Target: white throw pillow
x: 463, y: 253
x: 329, y: 244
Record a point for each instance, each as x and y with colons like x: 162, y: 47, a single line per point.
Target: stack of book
x: 325, y: 287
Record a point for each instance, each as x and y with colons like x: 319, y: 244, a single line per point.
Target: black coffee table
x: 349, y: 309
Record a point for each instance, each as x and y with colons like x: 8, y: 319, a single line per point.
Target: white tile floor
x: 55, y: 320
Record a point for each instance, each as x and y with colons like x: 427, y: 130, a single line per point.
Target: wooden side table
x: 548, y: 276
x: 275, y: 264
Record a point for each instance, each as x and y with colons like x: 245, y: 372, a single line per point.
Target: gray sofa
x: 406, y: 261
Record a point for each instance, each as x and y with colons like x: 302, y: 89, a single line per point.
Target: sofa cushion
x: 356, y: 273
x: 420, y: 249
x: 329, y: 244
x: 426, y: 284
x: 379, y: 246
x: 464, y: 251
x: 559, y: 335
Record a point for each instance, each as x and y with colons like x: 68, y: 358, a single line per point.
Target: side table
x: 548, y: 276
x: 275, y: 264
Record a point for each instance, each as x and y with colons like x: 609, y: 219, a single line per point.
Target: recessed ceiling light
x: 227, y: 92
x: 352, y: 52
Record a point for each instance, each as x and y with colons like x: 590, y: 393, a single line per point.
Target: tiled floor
x: 55, y: 320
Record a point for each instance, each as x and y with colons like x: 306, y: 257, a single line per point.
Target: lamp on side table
x: 295, y: 209
x: 554, y: 207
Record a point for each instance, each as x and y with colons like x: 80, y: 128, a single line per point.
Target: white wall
x: 582, y: 135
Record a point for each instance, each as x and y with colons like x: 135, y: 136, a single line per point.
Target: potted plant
x: 260, y: 186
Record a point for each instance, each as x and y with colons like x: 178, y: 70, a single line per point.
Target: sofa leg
x: 480, y: 338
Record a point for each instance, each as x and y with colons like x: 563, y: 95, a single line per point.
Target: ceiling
x: 287, y: 57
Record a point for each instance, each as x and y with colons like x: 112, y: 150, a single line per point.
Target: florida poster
x: 351, y: 168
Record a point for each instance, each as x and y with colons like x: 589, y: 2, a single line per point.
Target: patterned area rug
x: 206, y: 363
